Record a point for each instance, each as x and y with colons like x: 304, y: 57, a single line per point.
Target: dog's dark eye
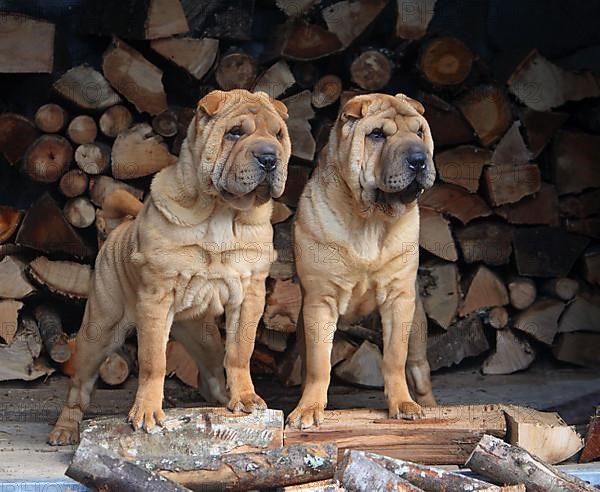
x: 420, y: 133
x: 235, y: 132
x: 280, y: 135
x: 377, y: 133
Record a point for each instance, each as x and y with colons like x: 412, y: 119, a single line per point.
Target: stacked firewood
x: 509, y: 235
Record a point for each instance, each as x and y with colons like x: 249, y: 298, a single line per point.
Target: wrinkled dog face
x: 391, y: 150
x: 245, y: 142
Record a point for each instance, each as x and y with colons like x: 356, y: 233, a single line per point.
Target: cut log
x: 327, y: 91
x: 503, y: 463
x: 487, y: 109
x: 306, y: 74
x: 512, y: 354
x: 195, y: 56
x: 93, y: 158
x: 74, y: 183
x: 445, y: 61
x: 363, y: 368
x: 485, y: 289
x: 303, y: 143
x: 589, y: 226
x: 9, y: 319
x: 79, y: 212
x: 580, y: 315
x: 184, y: 118
x: 358, y: 473
x: 139, y: 152
x: 181, y: 364
x: 591, y: 451
x: 13, y: 282
x: 590, y: 265
x: 580, y: 206
x: 10, y: 218
x: 435, y: 234
x: 372, y: 70
x: 542, y: 85
x: 82, y: 130
x: 540, y: 208
x: 50, y: 118
x: 320, y: 486
x: 263, y: 362
x: 116, y: 368
x: 439, y: 291
x: 281, y: 213
x: 462, y: 165
x: 294, y: 7
x: 277, y: 79
x: 413, y: 18
x: 27, y: 44
x: 309, y: 42
x: 342, y: 349
x: 48, y: 158
x: 273, y: 340
x: 68, y: 367
x: 540, y: 127
x: 45, y: 228
x: 86, y: 88
x: 444, y: 435
x: 456, y: 202
x: 561, y: 250
x: 465, y: 338
x: 543, y: 434
x: 562, y: 288
x: 102, y: 186
x: 236, y: 70
x: 540, y: 320
x: 581, y: 349
x: 447, y: 124
x: 522, y: 292
x: 282, y: 308
x: 17, y: 133
x: 508, y: 184
x: 289, y: 370
x: 573, y: 157
x: 115, y: 120
x: 362, y: 331
x: 165, y: 124
x: 497, y: 317
x: 488, y: 242
x: 511, y: 149
x: 348, y: 19
x: 136, y: 78
x: 53, y: 336
x: 66, y: 278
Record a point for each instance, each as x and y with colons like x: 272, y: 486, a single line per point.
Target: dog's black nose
x: 267, y: 161
x: 417, y: 161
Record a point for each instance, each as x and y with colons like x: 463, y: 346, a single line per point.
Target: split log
x: 435, y: 234
x: 103, y: 186
x: 294, y: 7
x: 455, y: 201
x: 27, y: 44
x: 306, y: 74
x: 136, y: 78
x: 68, y: 367
x: 86, y: 88
x: 508, y: 183
x: 444, y: 435
x: 139, y: 152
x: 50, y: 118
x: 327, y: 91
x: 116, y: 368
x: 465, y: 338
x: 440, y: 291
x: 273, y: 340
x: 580, y: 206
x: 589, y: 226
x: 48, y: 158
x: 512, y: 354
x: 562, y: 288
x: 578, y: 348
x: 195, y: 56
x: 590, y: 265
x: 9, y: 319
x: 263, y: 362
x: 540, y: 208
x: 462, y: 165
x: 17, y: 133
x: 277, y: 79
x: 540, y: 127
x: 543, y: 434
x: 10, y: 218
x: 73, y: 183
x: 540, y: 320
x: 497, y: 317
x: 413, y: 18
x: 281, y: 212
x: 115, y: 120
x: 508, y: 464
x: 591, y: 451
x: 522, y: 292
x: 303, y: 143
x: 93, y: 158
x: 102, y: 469
x: 65, y: 278
x: 165, y: 124
x: 488, y: 242
x: 347, y: 20
x: 372, y: 70
x: 445, y: 61
x: 511, y: 149
x: 45, y: 228
x: 282, y: 307
x: 79, y: 212
x: 13, y: 282
x: 82, y: 130
x: 485, y: 289
x: 582, y: 314
x: 542, y: 85
x: 53, y: 336
x: 487, y: 109
x: 561, y: 251
x: 309, y: 42
x: 573, y: 157
x: 447, y: 124
x: 363, y: 368
x: 236, y: 70
x: 289, y: 370
x: 342, y: 349
x: 182, y: 365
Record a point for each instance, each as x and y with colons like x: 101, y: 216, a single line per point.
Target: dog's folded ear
x: 280, y: 107
x: 413, y: 102
x: 355, y: 108
x: 212, y: 102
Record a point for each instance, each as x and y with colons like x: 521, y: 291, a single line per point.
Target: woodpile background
x: 97, y: 96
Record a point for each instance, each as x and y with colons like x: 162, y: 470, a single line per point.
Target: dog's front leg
x: 241, y: 323
x: 154, y: 316
x: 397, y: 313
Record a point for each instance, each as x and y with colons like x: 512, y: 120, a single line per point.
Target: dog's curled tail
x: 121, y: 203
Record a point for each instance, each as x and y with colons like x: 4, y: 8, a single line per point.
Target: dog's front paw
x: 306, y: 416
x: 405, y: 410
x: 246, y: 402
x: 146, y: 414
x: 62, y: 435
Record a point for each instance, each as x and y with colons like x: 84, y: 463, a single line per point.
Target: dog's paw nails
x: 145, y: 415
x: 406, y: 410
x: 246, y: 402
x: 305, y: 417
x: 61, y: 436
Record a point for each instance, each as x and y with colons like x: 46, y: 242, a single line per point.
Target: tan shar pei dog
x: 356, y: 247
x: 200, y: 247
